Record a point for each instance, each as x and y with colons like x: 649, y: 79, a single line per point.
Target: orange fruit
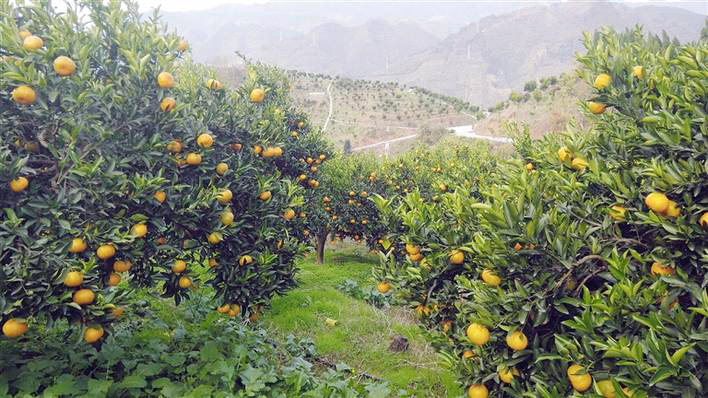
x: 77, y: 246
x: 205, y: 140
x: 14, y: 328
x: 657, y: 202
x: 226, y: 217
x: 563, y: 154
x: 32, y: 43
x: 245, y: 260
x: 104, y: 252
x: 93, y: 334
x: 602, y: 80
x: 596, y: 107
x: 113, y: 279
x: 257, y: 149
x: 518, y: 247
x: 477, y: 334
x: 168, y: 104
x: 517, y: 341
x: 213, y: 263
x: 121, y: 266
x: 383, y: 287
x: 214, y: 84
x: 579, y: 164
x: 24, y: 34
x: 64, y: 66
x: 74, y: 279
x: 289, y: 214
x: 223, y: 309
x: 673, y: 210
x: 490, y: 278
x: 179, y: 266
x: 224, y: 196
x: 222, y: 168
x: 607, y: 389
x: 265, y: 196
x: 507, y: 375
x: 84, y: 296
x: 638, y: 72
x: 194, y: 159
x: 117, y: 312
x: 215, y: 238
x: 257, y: 95
x: 139, y: 230
x: 165, y: 80
x: 182, y: 46
x: 477, y: 391
x: 24, y: 95
x: 703, y: 221
x: 579, y: 378
x: 457, y: 257
x: 658, y: 269
x: 618, y: 213
x: 185, y: 282
x: 174, y: 146
x: 19, y: 184
x: 160, y: 196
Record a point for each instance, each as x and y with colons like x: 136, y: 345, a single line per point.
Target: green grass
x: 363, y: 333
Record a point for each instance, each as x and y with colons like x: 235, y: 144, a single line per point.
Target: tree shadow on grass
x: 353, y: 256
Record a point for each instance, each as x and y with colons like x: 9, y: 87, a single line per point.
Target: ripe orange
x: 168, y: 104
x: 214, y: 84
x: 84, y: 296
x: 205, y: 140
x: 477, y: 391
x: 19, y: 184
x: 24, y: 34
x: 160, y: 196
x: 64, y: 66
x: 179, y: 266
x: 165, y: 80
x: 215, y: 238
x: 289, y: 214
x: 224, y: 196
x: 579, y: 164
x: 117, y: 312
x: 638, y: 72
x: 607, y: 389
x: 518, y: 247
x: 657, y: 202
x: 32, y: 43
x: 223, y: 309
x: 194, y: 159
x: 14, y: 328
x: 618, y: 213
x: 703, y: 221
x: 415, y: 257
x: 301, y: 125
x: 529, y: 166
x: 113, y: 279
x: 517, y: 341
x: 74, y: 278
x: 596, y: 107
x: 477, y: 334
x: 139, y: 230
x: 265, y: 196
x: 174, y: 146
x: 93, y: 334
x: 236, y: 147
x: 579, y: 379
x: 257, y: 95
x: 673, y: 210
x: 323, y: 157
x: 182, y: 46
x: 602, y: 80
x: 383, y: 287
x: 490, y: 278
x: 77, y: 246
x: 121, y: 266
x: 457, y: 257
x: 314, y: 183
x: 257, y: 149
x: 24, y: 95
x: 185, y: 282
x: 213, y: 263
x: 245, y: 260
x: 226, y: 217
x: 468, y: 354
x: 222, y: 168
x: 563, y: 154
x: 104, y: 252
x: 658, y: 269
x: 507, y: 375
x: 442, y: 187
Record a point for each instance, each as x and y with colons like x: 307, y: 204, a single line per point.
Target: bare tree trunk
x: 321, y: 240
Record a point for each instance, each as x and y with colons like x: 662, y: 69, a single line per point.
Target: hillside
x: 368, y: 112
x: 484, y: 61
x: 470, y: 53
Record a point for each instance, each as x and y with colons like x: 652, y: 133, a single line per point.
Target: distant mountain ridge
x: 480, y: 63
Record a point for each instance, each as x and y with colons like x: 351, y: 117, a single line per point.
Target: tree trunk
x: 321, y: 240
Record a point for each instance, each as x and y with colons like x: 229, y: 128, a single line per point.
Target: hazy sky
x: 186, y: 5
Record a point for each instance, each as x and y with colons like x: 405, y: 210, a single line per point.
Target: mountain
x: 484, y: 61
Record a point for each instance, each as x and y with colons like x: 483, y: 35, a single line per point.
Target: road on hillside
x: 468, y: 132
x: 408, y: 137
x: 331, y: 105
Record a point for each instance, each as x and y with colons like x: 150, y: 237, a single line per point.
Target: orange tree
x: 581, y: 269
x: 123, y: 164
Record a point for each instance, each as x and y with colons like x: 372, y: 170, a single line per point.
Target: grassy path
x: 363, y: 333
